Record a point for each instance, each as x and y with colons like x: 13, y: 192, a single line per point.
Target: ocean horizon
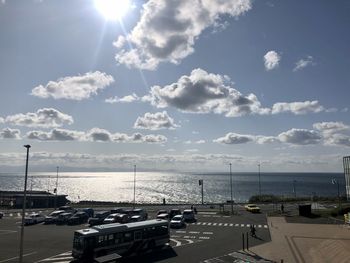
x: 175, y: 187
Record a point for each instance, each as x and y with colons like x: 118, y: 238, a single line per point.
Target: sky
x: 103, y: 85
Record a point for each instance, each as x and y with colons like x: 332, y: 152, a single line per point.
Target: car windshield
x: 177, y: 218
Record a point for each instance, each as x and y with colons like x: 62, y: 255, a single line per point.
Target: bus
x: 121, y: 239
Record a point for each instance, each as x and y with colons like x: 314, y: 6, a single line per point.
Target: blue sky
x: 175, y: 85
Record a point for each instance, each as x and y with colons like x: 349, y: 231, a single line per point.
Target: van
x: 188, y: 215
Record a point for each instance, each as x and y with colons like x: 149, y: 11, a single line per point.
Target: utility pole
x: 134, y: 185
x: 201, y: 184
x: 231, y: 188
x: 24, y: 207
x: 56, y: 189
x: 259, y: 183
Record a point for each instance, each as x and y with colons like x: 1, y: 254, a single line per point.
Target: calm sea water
x: 152, y: 187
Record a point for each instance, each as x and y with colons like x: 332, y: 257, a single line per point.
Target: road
x: 212, y: 236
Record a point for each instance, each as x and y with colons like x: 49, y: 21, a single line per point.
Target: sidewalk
x: 305, y: 243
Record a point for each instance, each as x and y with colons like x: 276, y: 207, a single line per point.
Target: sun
x: 112, y: 9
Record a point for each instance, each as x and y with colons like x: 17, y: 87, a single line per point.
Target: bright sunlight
x: 112, y: 9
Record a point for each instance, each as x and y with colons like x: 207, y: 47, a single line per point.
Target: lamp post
x: 56, y: 189
x: 259, y: 183
x: 335, y: 181
x: 231, y: 188
x: 294, y: 188
x: 134, y: 185
x: 24, y: 206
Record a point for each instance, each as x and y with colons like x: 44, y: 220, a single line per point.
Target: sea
x: 176, y: 187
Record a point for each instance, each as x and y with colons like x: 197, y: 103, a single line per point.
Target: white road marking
x: 265, y: 226
x: 181, y: 232
x: 242, y: 225
x: 204, y: 237
x: 214, y: 224
x: 260, y: 226
x: 248, y: 225
x: 231, y: 224
x: 209, y: 224
x: 220, y: 224
x: 207, y: 233
x: 225, y: 224
x: 10, y: 259
x: 66, y: 256
x: 177, y: 243
x: 236, y: 224
x: 4, y: 232
x: 194, y: 232
x: 203, y: 224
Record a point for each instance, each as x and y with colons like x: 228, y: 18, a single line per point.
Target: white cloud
x: 2, y: 120
x: 155, y: 121
x: 195, y: 142
x: 302, y: 63
x: 271, y: 60
x: 297, y: 108
x: 168, y: 30
x: 300, y: 137
x: 56, y: 135
x: 126, y: 99
x: 75, y: 87
x: 192, y: 150
x: 8, y: 133
x: 94, y: 135
x: 235, y: 138
x: 202, y: 92
x: 338, y: 140
x: 330, y: 127
x: 266, y: 139
x: 44, y: 118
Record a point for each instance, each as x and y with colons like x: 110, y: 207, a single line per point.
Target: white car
x: 188, y: 215
x: 34, y: 218
x: 177, y: 221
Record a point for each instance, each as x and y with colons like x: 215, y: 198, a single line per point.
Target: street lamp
x: 231, y: 188
x: 24, y: 206
x: 294, y: 188
x: 56, y: 189
x: 259, y: 183
x: 335, y: 181
x: 134, y: 185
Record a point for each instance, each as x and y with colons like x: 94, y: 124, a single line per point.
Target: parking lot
x: 212, y: 236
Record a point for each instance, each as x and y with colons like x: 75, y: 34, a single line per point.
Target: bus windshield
x: 78, y: 241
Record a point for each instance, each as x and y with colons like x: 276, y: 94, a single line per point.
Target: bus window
x: 128, y: 237
x: 110, y: 239
x: 101, y: 240
x: 138, y: 235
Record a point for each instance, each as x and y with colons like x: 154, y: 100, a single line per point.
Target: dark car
x: 98, y: 218
x: 118, y: 211
x: 162, y: 212
x: 52, y: 217
x: 117, y: 218
x: 78, y: 218
x: 89, y: 211
x: 67, y: 209
x: 140, y: 212
x: 174, y: 212
x: 63, y: 218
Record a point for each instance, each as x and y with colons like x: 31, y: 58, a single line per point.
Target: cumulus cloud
x: 271, y: 60
x: 2, y: 120
x: 330, y: 127
x: 235, y: 138
x: 8, y: 133
x: 202, y: 92
x: 43, y: 118
x: 303, y: 63
x: 297, y: 108
x: 74, y: 87
x: 194, y: 142
x: 94, y: 135
x: 338, y: 140
x: 300, y: 137
x: 167, y: 30
x: 155, y: 121
x: 56, y: 135
x: 126, y: 99
x: 266, y: 139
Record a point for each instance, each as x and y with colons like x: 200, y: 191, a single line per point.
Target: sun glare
x: 112, y: 9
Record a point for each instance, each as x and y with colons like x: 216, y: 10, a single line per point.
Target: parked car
x: 98, y: 218
x: 67, y: 209
x: 174, y: 212
x: 135, y: 219
x: 252, y: 208
x: 63, y: 218
x: 52, y: 217
x: 162, y: 212
x: 34, y: 218
x: 89, y: 211
x: 188, y: 215
x: 118, y: 211
x: 140, y: 212
x: 1, y: 215
x: 164, y: 216
x: 117, y: 218
x: 78, y: 218
x: 177, y: 221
